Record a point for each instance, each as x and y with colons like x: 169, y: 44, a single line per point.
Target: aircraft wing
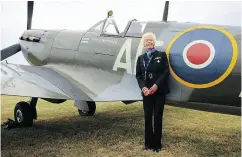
x: 35, y: 81
x: 100, y: 84
x: 58, y: 81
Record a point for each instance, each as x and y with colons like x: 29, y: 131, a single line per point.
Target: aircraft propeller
x: 13, y: 49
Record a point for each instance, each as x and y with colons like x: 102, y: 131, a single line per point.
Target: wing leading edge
x: 35, y: 81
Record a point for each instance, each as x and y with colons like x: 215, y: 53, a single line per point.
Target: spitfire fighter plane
x: 98, y: 65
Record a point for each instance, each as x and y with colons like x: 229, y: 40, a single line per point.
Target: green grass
x: 116, y: 130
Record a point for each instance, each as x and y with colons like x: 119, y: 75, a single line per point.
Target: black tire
x: 92, y: 109
x: 23, y: 114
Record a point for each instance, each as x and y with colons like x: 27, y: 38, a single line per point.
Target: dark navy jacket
x: 157, y: 72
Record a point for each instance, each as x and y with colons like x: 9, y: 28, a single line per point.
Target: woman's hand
x: 153, y: 89
x: 146, y: 91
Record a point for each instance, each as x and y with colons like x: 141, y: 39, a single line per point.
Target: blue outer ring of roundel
x: 225, y: 57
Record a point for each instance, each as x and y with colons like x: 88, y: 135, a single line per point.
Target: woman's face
x: 149, y: 43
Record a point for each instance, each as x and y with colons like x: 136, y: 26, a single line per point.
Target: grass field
x: 116, y: 130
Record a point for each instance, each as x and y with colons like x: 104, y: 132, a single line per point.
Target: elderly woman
x: 152, y: 73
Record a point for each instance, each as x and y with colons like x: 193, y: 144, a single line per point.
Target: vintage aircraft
x: 99, y: 65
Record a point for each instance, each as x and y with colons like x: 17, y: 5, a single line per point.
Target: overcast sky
x: 85, y: 13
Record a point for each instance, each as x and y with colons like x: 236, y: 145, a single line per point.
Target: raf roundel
x: 198, y: 54
x: 202, y: 56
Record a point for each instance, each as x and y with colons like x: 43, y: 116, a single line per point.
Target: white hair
x: 149, y: 35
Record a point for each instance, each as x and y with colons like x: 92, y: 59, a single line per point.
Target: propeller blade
x: 165, y: 13
x: 30, y: 14
x: 9, y: 51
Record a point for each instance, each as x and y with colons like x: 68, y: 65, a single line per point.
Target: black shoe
x: 147, y: 148
x: 157, y: 150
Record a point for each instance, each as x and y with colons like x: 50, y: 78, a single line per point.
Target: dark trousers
x: 153, y: 104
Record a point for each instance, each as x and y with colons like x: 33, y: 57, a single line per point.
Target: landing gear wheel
x: 22, y: 114
x: 92, y: 109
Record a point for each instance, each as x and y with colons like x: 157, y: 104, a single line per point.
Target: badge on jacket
x: 158, y: 59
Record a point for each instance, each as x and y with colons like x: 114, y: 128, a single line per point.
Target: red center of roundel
x: 198, y: 53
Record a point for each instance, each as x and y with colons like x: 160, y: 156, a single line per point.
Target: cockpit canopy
x: 108, y: 27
